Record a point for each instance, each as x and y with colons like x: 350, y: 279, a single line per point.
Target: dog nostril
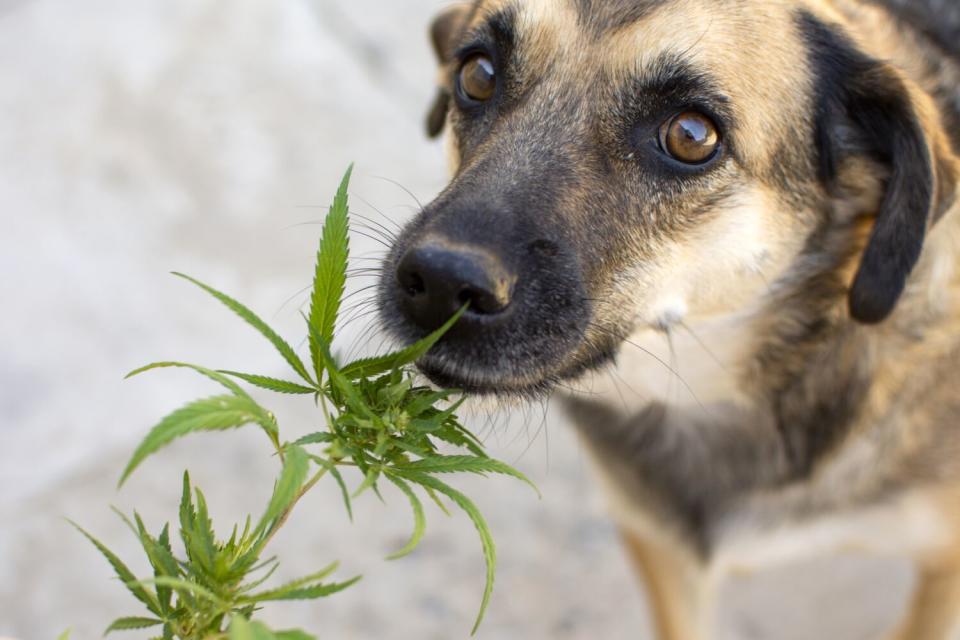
x: 482, y: 301
x: 434, y: 281
x: 414, y: 285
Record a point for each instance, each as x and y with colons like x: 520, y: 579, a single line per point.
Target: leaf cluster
x: 379, y: 422
x: 216, y: 583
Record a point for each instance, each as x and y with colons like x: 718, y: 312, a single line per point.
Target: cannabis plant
x: 380, y: 423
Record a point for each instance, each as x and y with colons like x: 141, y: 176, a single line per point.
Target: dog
x: 733, y: 226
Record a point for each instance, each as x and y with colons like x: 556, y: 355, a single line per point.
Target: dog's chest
x: 692, y: 368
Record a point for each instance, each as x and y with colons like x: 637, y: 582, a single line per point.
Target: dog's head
x: 625, y: 164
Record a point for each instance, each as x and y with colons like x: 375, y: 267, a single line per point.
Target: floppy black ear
x: 444, y: 31
x: 863, y: 107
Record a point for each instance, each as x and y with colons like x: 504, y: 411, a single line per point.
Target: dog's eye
x: 690, y: 137
x: 478, y: 78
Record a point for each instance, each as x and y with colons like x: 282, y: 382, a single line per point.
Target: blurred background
x: 143, y: 136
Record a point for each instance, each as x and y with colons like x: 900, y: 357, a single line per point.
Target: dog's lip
x: 443, y: 376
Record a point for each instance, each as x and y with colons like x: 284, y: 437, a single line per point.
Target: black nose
x: 437, y: 279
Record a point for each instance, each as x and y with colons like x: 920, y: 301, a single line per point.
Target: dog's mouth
x: 534, y: 382
x: 447, y: 375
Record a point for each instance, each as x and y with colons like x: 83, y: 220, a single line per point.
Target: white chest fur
x: 690, y: 368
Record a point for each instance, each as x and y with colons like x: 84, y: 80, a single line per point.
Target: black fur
x: 938, y: 20
x: 601, y: 17
x: 862, y: 107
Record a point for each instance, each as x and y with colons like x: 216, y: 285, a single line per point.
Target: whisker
x: 652, y: 355
x: 403, y: 188
x: 703, y: 346
x: 382, y: 214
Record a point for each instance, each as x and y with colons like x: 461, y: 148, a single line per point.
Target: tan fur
x: 710, y: 294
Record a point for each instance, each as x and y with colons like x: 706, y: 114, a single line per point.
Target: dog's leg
x: 676, y: 588
x: 935, y: 611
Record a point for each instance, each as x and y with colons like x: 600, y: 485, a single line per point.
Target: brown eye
x: 478, y: 79
x: 691, y: 138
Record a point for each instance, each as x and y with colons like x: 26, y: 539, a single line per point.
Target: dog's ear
x: 444, y: 32
x: 863, y: 107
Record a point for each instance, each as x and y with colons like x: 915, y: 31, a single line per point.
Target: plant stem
x: 282, y: 520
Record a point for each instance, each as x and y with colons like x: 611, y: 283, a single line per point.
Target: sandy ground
x: 139, y: 137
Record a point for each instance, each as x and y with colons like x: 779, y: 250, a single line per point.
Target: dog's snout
x: 436, y: 279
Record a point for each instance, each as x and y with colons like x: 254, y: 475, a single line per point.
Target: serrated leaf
x: 296, y: 465
x: 436, y: 421
x: 200, y: 539
x: 272, y: 384
x: 330, y: 272
x: 264, y: 418
x: 459, y: 436
x: 295, y: 584
x: 426, y: 401
x: 189, y: 587
x: 419, y: 519
x: 351, y: 395
x: 371, y: 367
x: 468, y: 507
x: 321, y: 437
x: 123, y: 572
x: 242, y: 629
x: 465, y: 464
x: 159, y: 554
x: 253, y: 320
x: 132, y: 623
x: 256, y: 583
x: 211, y: 414
x: 210, y: 373
x: 161, y: 557
x: 312, y: 592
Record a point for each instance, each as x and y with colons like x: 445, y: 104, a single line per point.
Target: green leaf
x: 161, y: 557
x: 426, y: 401
x: 253, y: 320
x: 294, y: 634
x: 296, y: 465
x: 211, y: 414
x: 436, y: 421
x: 241, y: 629
x: 321, y: 437
x: 375, y: 366
x: 295, y: 584
x: 486, y: 539
x: 369, y: 482
x: 132, y: 623
x: 465, y: 464
x: 330, y: 273
x: 272, y: 384
x: 199, y: 537
x: 351, y: 395
x: 312, y: 592
x: 344, y: 492
x: 65, y: 635
x: 264, y: 418
x: 189, y: 587
x: 126, y: 576
x: 213, y: 375
x: 419, y: 519
x: 256, y: 583
x: 158, y: 553
x: 460, y: 436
